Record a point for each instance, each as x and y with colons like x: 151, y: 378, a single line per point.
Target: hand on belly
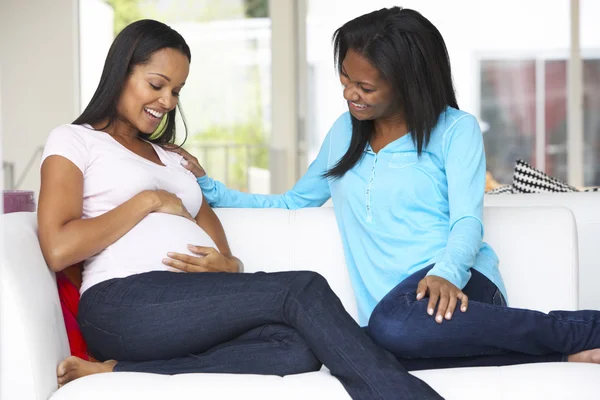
x: 206, y: 259
x: 143, y: 248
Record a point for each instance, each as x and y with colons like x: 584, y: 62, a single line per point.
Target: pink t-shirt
x: 112, y: 174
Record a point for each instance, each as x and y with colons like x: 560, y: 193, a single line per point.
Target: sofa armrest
x: 34, y: 338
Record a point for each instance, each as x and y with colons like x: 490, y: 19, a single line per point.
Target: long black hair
x: 133, y: 46
x: 411, y: 55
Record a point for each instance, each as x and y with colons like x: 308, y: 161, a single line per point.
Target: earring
x: 160, y: 129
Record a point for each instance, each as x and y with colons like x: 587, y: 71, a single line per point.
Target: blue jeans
x: 488, y: 334
x: 263, y: 323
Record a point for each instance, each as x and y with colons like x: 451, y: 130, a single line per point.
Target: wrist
x: 235, y: 264
x: 151, y: 200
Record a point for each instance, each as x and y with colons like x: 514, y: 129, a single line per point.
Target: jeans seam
x: 156, y: 303
x: 105, y: 332
x: 333, y: 344
x: 207, y: 356
x: 511, y: 309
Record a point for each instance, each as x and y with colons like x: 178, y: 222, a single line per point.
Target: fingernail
x: 463, y: 309
x: 419, y: 295
x: 184, y: 162
x: 448, y: 315
x: 165, y: 261
x: 170, y: 254
x: 191, y: 246
x: 430, y: 311
x: 438, y: 318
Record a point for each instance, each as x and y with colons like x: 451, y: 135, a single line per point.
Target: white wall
x: 96, y: 21
x: 1, y: 158
x: 40, y: 76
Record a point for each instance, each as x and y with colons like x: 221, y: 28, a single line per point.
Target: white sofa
x: 586, y: 209
x: 537, y: 246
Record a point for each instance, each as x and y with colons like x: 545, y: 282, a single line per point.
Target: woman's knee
x: 308, y: 282
x: 396, y: 327
x: 299, y: 361
x: 295, y: 356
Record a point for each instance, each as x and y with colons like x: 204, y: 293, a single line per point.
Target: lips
x: 153, y: 113
x: 357, y: 106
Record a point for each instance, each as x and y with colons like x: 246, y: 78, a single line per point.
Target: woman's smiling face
x: 152, y: 89
x: 369, y: 96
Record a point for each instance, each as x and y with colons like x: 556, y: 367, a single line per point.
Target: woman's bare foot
x: 587, y: 356
x: 72, y: 368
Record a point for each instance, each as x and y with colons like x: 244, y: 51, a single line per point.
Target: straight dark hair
x: 133, y: 46
x: 411, y: 55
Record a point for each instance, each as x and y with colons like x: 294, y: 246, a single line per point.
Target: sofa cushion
x: 531, y: 381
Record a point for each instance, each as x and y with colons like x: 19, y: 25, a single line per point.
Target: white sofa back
x: 537, y: 248
x: 586, y: 209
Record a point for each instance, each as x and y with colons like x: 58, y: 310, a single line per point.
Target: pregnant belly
x: 143, y: 248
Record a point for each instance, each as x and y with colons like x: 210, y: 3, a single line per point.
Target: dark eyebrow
x: 360, y: 83
x: 163, y: 76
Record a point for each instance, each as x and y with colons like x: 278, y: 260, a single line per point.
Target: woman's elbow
x: 56, y: 258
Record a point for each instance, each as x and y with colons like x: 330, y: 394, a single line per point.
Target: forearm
x: 464, y: 242
x: 80, y: 239
x: 220, y: 196
x: 210, y: 223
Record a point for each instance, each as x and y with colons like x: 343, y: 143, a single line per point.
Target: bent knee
x: 297, y: 358
x: 310, y: 281
x: 399, y: 330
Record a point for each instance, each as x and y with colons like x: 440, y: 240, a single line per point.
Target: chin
x: 361, y: 116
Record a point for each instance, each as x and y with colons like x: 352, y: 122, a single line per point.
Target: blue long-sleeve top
x: 397, y: 212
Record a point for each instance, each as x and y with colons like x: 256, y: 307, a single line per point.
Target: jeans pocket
x: 499, y: 299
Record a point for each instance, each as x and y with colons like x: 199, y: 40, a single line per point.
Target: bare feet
x: 587, y: 356
x: 72, y: 368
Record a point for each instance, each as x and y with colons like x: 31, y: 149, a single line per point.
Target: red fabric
x: 68, y: 292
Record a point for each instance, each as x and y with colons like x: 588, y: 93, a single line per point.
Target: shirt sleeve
x: 312, y: 190
x: 465, y: 171
x: 64, y: 141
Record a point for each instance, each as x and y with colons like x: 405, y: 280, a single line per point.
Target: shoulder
x: 453, y: 119
x: 455, y: 124
x: 343, y: 123
x: 70, y: 133
x: 341, y: 131
x: 71, y: 142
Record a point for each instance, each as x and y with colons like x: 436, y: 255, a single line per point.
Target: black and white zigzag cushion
x: 527, y: 179
x: 505, y: 189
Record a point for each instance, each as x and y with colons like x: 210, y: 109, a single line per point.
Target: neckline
x: 392, y: 146
x: 154, y: 147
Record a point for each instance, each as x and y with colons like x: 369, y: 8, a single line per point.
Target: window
x: 509, y: 61
x: 524, y: 116
x: 227, y: 97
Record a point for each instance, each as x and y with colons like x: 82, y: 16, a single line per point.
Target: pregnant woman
x: 112, y: 196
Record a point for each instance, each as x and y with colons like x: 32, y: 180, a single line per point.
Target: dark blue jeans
x: 277, y: 323
x: 488, y: 334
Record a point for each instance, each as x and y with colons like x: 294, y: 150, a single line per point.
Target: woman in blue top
x: 405, y: 169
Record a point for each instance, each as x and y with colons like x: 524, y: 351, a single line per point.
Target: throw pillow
x: 527, y: 179
x: 505, y: 189
x: 68, y: 283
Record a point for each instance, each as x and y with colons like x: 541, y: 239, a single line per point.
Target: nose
x: 168, y: 101
x: 350, y: 92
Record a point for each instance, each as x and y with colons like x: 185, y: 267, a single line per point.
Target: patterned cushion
x: 527, y: 179
x: 505, y: 189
